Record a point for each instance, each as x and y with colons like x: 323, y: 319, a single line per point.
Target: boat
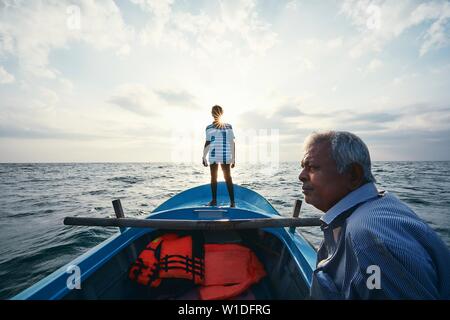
x: 288, y: 258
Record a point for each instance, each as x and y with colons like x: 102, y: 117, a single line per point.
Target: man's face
x: 323, y: 186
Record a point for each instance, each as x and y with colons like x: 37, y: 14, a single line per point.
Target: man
x: 375, y: 247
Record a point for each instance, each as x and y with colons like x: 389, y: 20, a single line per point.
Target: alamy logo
x: 73, y: 17
x: 374, y: 17
x: 74, y: 280
x: 374, y: 280
x: 256, y: 147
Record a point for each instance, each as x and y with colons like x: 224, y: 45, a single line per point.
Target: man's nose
x: 303, y: 176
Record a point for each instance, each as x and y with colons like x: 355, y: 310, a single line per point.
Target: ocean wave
x: 20, y: 214
x: 95, y: 192
x: 39, y: 195
x: 416, y: 201
x: 126, y: 179
x: 40, y: 180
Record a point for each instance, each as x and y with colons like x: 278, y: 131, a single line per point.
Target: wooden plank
x: 297, y: 207
x: 118, y: 208
x: 180, y: 224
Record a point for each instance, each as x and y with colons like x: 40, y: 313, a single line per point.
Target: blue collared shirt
x: 376, y: 247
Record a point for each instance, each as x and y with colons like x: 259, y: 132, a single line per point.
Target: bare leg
x: 213, y: 168
x: 227, y: 175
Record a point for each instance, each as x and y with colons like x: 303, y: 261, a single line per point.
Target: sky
x: 135, y: 80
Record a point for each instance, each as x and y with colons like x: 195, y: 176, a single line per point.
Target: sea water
x: 35, y: 198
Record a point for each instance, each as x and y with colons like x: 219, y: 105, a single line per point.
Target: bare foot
x: 212, y: 203
x: 232, y: 205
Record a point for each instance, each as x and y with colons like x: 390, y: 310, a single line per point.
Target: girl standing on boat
x: 220, y: 145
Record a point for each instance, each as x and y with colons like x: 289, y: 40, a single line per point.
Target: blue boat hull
x: 288, y: 258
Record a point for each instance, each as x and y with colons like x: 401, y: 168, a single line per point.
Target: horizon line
x: 166, y: 162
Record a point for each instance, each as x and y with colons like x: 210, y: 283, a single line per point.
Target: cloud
x: 292, y: 5
x: 257, y: 120
x: 287, y: 118
x: 415, y: 118
x: 45, y: 98
x: 335, y: 43
x: 377, y: 117
x: 41, y: 132
x: 437, y: 35
x: 292, y: 120
x: 135, y: 98
x: 414, y: 144
x: 379, y: 22
x: 246, y: 54
x: 5, y: 76
x: 234, y: 28
x: 306, y: 64
x: 374, y: 65
x: 241, y: 16
x: 288, y: 111
x: 176, y: 98
x: 413, y: 134
x: 160, y: 8
x: 29, y: 31
x: 146, y: 101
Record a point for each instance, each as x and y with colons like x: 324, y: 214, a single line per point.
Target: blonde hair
x: 217, y: 112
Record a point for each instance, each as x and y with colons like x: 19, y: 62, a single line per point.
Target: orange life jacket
x: 168, y: 256
x: 226, y: 271
x: 230, y: 269
x: 177, y: 261
x: 145, y: 269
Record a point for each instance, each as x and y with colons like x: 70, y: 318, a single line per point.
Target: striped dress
x: 220, y: 143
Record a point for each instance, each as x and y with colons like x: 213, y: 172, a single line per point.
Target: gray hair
x: 346, y: 149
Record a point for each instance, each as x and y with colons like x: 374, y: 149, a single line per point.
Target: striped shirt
x: 367, y: 233
x: 221, y: 140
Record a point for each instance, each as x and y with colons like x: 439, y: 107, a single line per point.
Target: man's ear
x: 356, y: 176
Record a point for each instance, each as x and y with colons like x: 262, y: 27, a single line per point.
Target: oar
x: 180, y: 224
